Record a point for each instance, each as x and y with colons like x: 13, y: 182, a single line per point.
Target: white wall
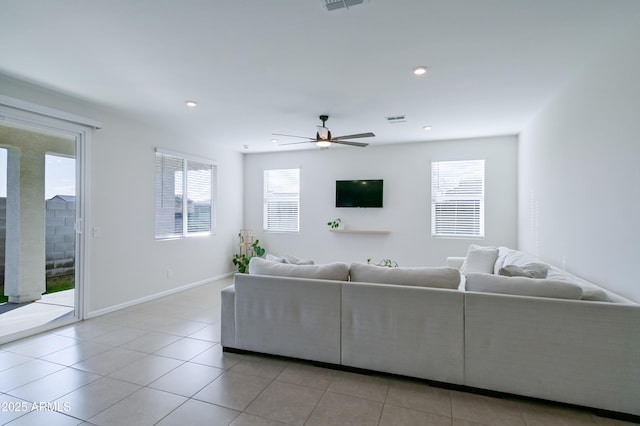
x: 405, y: 169
x: 579, y: 175
x: 126, y: 262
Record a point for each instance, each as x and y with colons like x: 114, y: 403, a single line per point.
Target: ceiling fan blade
x: 359, y: 144
x: 296, y: 143
x: 358, y: 135
x: 293, y: 136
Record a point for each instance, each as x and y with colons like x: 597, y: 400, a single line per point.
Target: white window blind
x: 178, y: 215
x: 281, y: 200
x: 457, y: 198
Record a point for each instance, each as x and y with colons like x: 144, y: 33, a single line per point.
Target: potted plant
x: 389, y: 263
x: 241, y: 260
x: 335, y: 224
x: 259, y: 251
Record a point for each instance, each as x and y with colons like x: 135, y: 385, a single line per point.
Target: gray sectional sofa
x: 475, y: 328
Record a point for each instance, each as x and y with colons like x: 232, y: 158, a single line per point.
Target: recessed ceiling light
x: 421, y: 70
x: 191, y: 104
x: 427, y: 128
x: 274, y: 140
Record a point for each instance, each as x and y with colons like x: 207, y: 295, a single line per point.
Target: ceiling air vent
x: 340, y: 4
x: 396, y: 119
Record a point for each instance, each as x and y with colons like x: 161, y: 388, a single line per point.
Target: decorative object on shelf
x: 335, y: 224
x: 389, y: 263
x: 249, y: 247
x: 360, y: 231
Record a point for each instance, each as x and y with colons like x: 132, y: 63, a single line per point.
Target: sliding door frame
x: 37, y: 118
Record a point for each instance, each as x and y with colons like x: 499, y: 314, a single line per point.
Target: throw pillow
x: 522, y: 286
x: 273, y: 258
x: 530, y: 270
x: 479, y: 259
x: 297, y: 261
x: 439, y: 277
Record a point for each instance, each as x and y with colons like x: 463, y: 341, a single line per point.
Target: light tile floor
x: 161, y: 363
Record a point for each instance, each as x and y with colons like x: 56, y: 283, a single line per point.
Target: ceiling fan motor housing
x: 321, y: 138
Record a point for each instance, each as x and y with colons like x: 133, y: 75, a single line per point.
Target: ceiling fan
x: 324, y: 139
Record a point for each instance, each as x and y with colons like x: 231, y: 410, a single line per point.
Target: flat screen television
x: 359, y: 193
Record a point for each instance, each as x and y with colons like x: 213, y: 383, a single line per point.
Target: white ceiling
x: 259, y: 67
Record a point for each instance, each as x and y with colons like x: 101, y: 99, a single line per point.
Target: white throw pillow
x: 479, y: 259
x: 337, y: 271
x: 502, y: 253
x: 297, y: 261
x: 440, y: 277
x: 522, y: 286
x: 273, y: 258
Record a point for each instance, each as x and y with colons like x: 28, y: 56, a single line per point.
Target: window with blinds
x: 281, y: 200
x: 457, y: 198
x: 185, y: 195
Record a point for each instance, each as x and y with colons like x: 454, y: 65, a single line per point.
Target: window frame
x: 471, y: 197
x: 270, y: 196
x: 160, y: 194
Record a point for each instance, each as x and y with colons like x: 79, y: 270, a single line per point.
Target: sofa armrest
x: 572, y: 351
x: 228, y: 317
x: 455, y: 261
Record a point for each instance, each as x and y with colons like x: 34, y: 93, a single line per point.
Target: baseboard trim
x: 114, y: 308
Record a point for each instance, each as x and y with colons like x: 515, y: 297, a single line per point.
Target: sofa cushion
x: 337, y: 271
x: 522, y: 286
x: 589, y: 291
x: 530, y: 270
x: 440, y: 277
x: 479, y: 259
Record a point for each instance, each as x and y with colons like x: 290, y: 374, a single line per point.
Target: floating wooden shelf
x: 360, y: 231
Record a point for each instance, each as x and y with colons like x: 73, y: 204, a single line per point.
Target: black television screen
x: 359, y: 193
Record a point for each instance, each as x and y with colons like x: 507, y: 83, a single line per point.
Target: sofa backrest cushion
x: 337, y: 271
x: 440, y: 277
x: 522, y: 286
x: 479, y: 259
